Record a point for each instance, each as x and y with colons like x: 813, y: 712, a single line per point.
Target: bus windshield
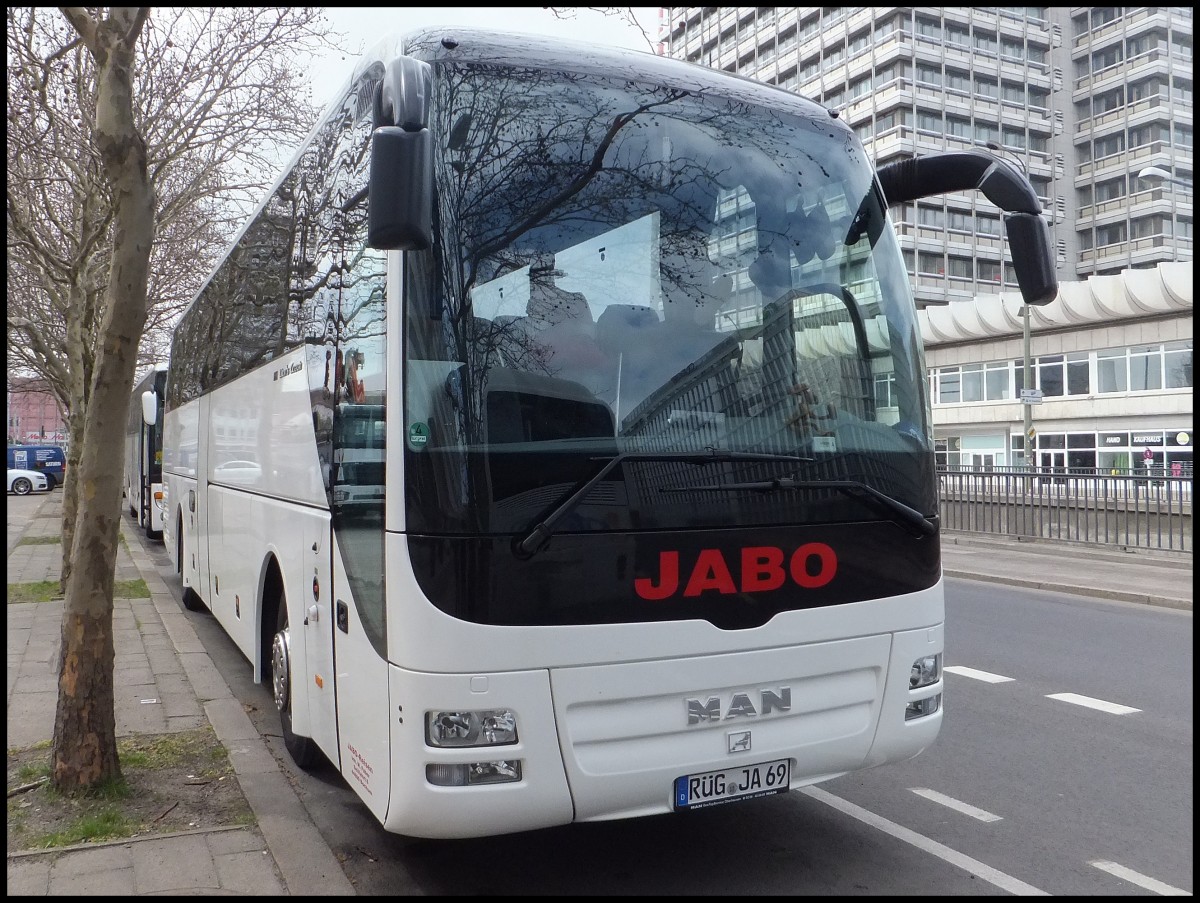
x: 630, y: 269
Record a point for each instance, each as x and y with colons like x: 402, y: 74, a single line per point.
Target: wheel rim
x: 280, y: 669
x: 21, y: 487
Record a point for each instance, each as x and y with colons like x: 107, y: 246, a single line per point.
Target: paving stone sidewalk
x: 164, y: 682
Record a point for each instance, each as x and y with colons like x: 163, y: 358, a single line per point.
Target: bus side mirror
x: 400, y: 187
x: 149, y: 408
x: 1033, y: 257
x: 1006, y: 187
x: 400, y: 191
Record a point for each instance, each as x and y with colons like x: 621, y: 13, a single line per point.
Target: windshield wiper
x: 538, y: 534
x: 896, y: 511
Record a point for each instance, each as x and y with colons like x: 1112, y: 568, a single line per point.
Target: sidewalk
x: 1145, y: 576
x: 159, y: 657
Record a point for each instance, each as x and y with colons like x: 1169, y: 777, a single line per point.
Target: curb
x: 1090, y: 591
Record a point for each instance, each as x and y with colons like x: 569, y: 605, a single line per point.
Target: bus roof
x: 457, y: 43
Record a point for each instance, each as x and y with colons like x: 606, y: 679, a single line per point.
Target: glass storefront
x: 1157, y: 451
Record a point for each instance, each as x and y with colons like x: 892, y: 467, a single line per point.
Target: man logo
x: 739, y: 704
x: 739, y: 741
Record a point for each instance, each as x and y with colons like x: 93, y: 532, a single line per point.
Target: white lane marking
x: 955, y: 858
x: 957, y: 805
x: 1157, y: 887
x: 1111, y: 707
x: 978, y: 675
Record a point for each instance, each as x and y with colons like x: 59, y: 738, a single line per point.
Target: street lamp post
x: 1027, y: 443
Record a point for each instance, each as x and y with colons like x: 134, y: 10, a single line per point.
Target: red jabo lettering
x: 761, y: 569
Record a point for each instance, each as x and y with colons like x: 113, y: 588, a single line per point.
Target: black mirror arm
x: 1004, y: 186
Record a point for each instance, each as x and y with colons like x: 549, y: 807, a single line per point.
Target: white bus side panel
x: 260, y: 433
x: 260, y: 496
x: 312, y: 626
x: 248, y: 532
x: 181, y: 461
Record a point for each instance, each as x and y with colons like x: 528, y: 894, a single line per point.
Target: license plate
x: 739, y: 782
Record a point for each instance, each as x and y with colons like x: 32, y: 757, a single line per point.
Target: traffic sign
x: 1031, y: 396
x: 1032, y: 433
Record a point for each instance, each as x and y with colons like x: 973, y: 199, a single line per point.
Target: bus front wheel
x: 303, y: 750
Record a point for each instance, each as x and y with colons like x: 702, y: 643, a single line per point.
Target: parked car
x: 23, y: 482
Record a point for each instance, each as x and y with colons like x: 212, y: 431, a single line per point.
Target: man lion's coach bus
x: 638, y: 512
x: 143, y: 486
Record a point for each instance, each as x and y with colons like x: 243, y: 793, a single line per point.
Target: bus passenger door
x: 364, y: 710
x: 318, y: 635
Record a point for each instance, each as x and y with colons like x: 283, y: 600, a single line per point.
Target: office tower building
x: 1083, y: 99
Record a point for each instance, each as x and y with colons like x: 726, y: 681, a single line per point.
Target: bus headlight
x: 926, y: 671
x: 923, y: 707
x: 485, y: 727
x: 474, y: 773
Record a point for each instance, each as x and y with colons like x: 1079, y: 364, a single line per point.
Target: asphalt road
x: 1022, y: 793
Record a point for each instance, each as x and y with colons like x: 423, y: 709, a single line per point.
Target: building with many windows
x: 1083, y: 98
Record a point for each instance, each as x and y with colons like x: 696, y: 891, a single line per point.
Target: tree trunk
x: 85, y: 742
x: 85, y: 738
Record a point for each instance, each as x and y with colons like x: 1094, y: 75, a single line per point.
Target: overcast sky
x: 362, y: 27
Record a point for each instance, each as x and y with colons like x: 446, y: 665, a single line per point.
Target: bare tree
x: 85, y: 742
x: 216, y: 93
x: 133, y: 147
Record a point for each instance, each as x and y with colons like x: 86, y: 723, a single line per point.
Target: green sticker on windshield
x: 418, y: 436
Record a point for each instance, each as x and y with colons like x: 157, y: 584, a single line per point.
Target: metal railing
x: 1143, y: 508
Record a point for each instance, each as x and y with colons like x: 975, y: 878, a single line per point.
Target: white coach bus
x: 555, y: 439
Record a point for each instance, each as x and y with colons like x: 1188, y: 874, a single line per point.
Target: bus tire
x: 192, y: 600
x: 303, y: 750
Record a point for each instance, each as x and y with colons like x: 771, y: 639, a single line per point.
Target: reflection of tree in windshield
x: 628, y: 242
